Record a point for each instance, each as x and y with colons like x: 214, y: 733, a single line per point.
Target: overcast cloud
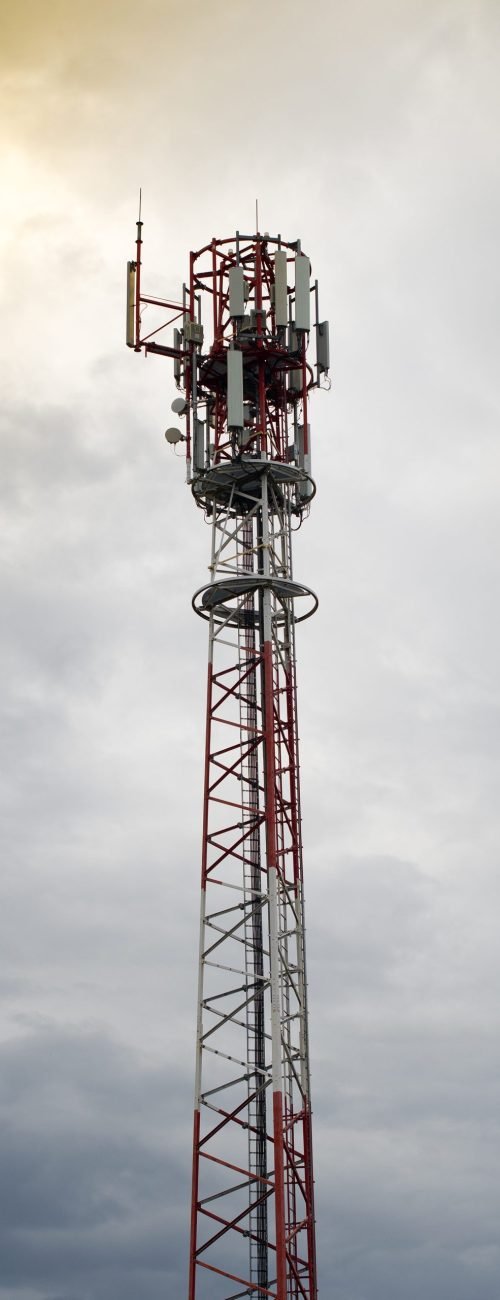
x: 369, y: 128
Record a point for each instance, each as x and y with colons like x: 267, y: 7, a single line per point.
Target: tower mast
x: 240, y: 354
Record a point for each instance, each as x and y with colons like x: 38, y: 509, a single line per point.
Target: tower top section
x: 239, y: 341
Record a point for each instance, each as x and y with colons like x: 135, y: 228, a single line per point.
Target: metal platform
x: 232, y: 483
x: 213, y: 599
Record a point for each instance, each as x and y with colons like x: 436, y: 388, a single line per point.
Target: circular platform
x: 232, y: 483
x: 224, y: 600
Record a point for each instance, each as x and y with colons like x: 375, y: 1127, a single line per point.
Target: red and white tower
x: 240, y: 354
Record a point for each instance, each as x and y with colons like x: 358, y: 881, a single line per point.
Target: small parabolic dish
x: 179, y: 405
x: 174, y: 435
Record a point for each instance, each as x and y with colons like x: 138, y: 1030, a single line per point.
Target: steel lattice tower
x: 239, y: 349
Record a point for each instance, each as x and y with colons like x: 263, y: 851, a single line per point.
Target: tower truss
x: 239, y: 348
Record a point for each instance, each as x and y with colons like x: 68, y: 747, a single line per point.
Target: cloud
x: 373, y: 136
x: 91, y: 1165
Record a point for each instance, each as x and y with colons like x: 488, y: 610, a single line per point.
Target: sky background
x: 370, y: 130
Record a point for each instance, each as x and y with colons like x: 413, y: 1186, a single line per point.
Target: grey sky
x: 370, y: 130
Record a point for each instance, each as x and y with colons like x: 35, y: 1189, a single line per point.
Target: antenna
x: 250, y: 473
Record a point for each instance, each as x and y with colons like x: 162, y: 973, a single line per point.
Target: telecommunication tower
x: 238, y: 340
